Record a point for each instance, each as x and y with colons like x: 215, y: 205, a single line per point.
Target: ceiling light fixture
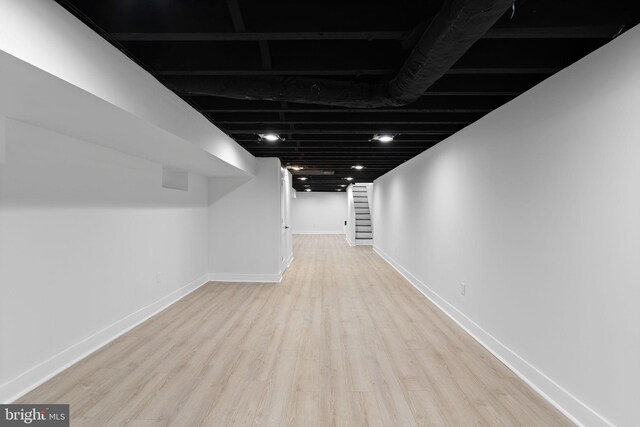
x: 296, y: 168
x: 270, y: 137
x: 343, y: 185
x: 383, y: 137
x: 308, y: 189
x: 348, y: 178
x: 303, y: 178
x: 357, y: 167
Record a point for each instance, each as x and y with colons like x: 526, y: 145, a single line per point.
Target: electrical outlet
x: 463, y: 289
x: 158, y: 277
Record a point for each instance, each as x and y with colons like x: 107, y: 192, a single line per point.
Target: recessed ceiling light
x: 343, y: 185
x: 269, y: 137
x: 296, y: 168
x: 308, y: 189
x: 348, y: 178
x: 357, y: 167
x: 383, y: 137
x: 303, y: 178
x: 339, y: 189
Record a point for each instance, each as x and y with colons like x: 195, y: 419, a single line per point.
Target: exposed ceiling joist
x: 279, y: 72
x: 503, y: 70
x: 341, y: 150
x: 348, y: 72
x: 327, y: 161
x: 575, y: 32
x: 472, y: 93
x: 350, y: 110
x: 352, y: 157
x: 346, y: 148
x: 374, y: 127
x: 346, y: 131
x: 275, y: 36
x: 364, y: 116
x: 298, y: 122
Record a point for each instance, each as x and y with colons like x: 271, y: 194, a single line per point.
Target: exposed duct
x: 456, y: 27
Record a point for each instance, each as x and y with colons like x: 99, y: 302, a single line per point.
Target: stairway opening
x: 363, y: 226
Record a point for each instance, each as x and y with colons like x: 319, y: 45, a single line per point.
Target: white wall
x: 84, y: 230
x: 319, y: 213
x: 244, y: 226
x: 536, y: 208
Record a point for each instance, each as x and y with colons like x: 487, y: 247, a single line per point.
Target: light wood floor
x: 343, y: 340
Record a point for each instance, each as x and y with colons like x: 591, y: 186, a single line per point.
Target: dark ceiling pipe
x: 456, y: 27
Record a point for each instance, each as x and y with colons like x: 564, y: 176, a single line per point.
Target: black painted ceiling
x: 355, y: 40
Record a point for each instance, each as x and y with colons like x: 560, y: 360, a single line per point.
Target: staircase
x: 364, y: 233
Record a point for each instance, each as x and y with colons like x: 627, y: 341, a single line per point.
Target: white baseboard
x: 27, y: 381
x: 554, y: 393
x: 351, y: 243
x: 364, y: 242
x: 235, y: 277
x: 286, y: 264
x: 318, y: 232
